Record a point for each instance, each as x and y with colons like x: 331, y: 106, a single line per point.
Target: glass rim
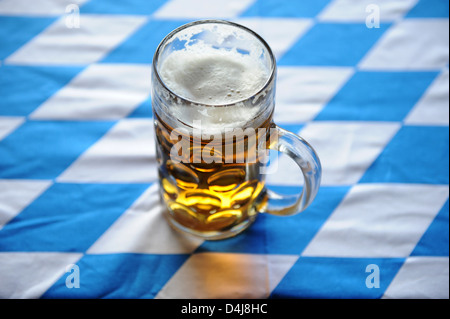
x: 214, y: 21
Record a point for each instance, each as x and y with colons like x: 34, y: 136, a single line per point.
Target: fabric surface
x: 366, y: 82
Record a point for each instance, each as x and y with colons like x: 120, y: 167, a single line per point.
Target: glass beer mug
x: 213, y: 98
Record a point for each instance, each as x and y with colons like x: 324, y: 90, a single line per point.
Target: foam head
x: 217, y: 69
x: 213, y: 76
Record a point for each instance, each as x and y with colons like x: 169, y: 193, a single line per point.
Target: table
x: 365, y: 82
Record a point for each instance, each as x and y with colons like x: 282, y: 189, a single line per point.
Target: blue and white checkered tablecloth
x: 366, y: 82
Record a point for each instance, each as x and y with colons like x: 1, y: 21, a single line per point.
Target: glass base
x: 210, y: 235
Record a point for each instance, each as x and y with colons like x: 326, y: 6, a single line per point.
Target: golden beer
x: 211, y: 197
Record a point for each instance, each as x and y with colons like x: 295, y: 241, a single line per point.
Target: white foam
x: 219, y: 73
x: 214, y: 77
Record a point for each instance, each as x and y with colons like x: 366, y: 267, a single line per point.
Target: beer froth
x: 214, y: 77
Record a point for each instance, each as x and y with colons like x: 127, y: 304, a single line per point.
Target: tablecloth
x: 365, y: 82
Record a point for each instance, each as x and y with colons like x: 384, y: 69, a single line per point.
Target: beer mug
x: 213, y: 99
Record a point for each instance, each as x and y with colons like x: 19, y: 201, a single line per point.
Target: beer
x: 217, y: 196
x: 213, y: 98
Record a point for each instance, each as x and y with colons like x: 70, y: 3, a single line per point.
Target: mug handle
x: 306, y: 158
